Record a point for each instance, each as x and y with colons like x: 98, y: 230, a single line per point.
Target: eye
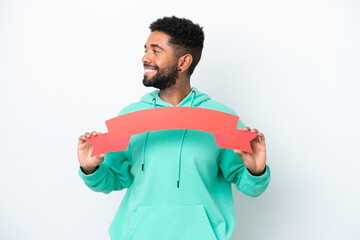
x: 156, y: 51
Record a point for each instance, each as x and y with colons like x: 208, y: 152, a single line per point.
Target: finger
x: 261, y: 137
x: 242, y: 154
x: 246, y: 128
x: 254, y: 130
x: 87, y: 135
x: 93, y: 133
x: 237, y: 151
x: 82, y: 139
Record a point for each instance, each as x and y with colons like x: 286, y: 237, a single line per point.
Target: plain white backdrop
x: 288, y: 68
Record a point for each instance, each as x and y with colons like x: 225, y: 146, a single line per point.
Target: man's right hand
x: 88, y: 164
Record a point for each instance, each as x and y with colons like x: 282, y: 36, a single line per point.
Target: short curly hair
x: 185, y: 36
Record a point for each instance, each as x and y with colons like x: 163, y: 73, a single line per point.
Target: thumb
x: 242, y: 154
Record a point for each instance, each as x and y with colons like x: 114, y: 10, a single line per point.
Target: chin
x: 146, y: 82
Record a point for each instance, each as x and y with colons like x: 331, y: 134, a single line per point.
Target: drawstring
x: 179, y: 158
x: 145, y: 140
x: 181, y: 144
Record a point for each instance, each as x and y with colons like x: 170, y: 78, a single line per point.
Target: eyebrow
x: 155, y: 46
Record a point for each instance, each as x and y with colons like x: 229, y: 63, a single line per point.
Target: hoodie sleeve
x: 113, y: 174
x: 235, y: 171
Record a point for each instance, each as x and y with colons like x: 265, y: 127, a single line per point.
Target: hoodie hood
x: 194, y: 98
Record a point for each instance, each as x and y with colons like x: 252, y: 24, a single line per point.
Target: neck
x: 176, y: 93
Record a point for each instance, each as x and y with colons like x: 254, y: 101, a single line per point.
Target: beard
x: 163, y: 79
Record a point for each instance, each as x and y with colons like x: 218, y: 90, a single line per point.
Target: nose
x: 146, y: 58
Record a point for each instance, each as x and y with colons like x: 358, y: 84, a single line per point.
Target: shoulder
x: 215, y: 105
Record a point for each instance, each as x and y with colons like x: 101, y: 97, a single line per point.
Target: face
x: 160, y: 65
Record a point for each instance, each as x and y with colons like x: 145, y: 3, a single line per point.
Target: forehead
x: 158, y: 38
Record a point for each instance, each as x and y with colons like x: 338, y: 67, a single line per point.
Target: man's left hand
x: 255, y: 162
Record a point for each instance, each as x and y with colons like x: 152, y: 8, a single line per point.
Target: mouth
x: 148, y: 70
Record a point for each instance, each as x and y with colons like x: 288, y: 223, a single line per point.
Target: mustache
x: 151, y: 66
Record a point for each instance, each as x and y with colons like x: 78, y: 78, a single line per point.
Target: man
x: 179, y: 181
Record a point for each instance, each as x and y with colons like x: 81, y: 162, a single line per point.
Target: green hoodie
x: 179, y: 181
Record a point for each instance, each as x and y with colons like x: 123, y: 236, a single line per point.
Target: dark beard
x: 163, y: 79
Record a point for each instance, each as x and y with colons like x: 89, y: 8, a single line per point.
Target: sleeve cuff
x: 101, y: 171
x: 256, y: 180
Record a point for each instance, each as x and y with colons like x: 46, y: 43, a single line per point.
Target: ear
x: 184, y: 62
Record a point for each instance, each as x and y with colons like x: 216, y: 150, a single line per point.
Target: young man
x: 179, y: 181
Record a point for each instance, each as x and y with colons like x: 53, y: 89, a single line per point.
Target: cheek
x: 160, y: 62
x: 164, y: 61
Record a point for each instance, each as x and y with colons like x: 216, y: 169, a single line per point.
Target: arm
x: 236, y: 172
x: 105, y: 172
x: 247, y: 170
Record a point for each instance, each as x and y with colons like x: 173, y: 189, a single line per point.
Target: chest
x: 168, y: 148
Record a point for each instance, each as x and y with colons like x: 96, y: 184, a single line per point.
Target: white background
x: 288, y: 68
